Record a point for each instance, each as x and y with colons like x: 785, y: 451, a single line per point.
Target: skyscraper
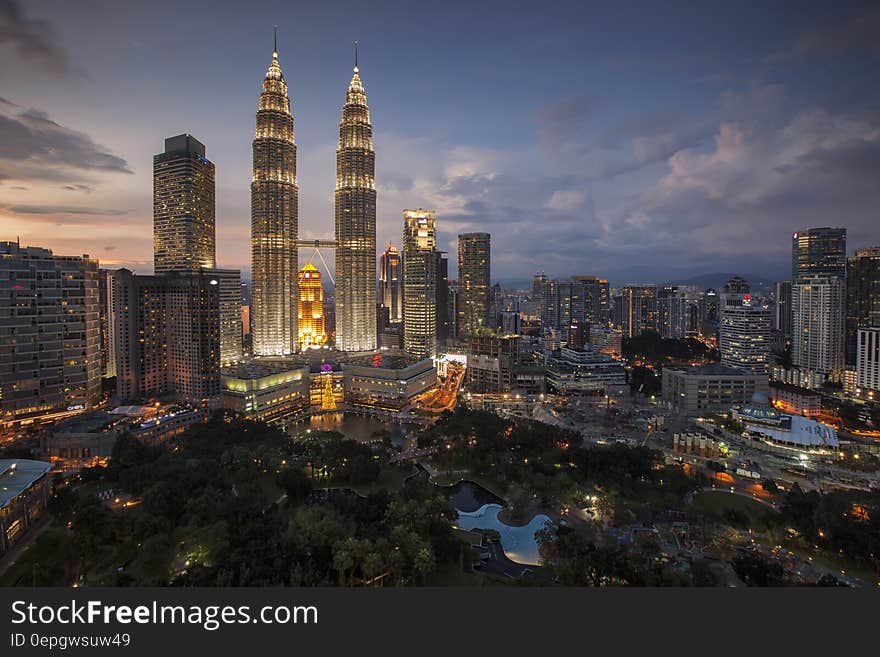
x: 312, y: 332
x: 391, y: 282
x: 820, y: 251
x: 744, y: 329
x: 419, y: 283
x: 817, y: 328
x: 274, y: 221
x: 167, y: 331
x: 443, y: 327
x: 782, y: 315
x: 862, y: 296
x: 50, y: 334
x: 183, y: 207
x: 355, y: 198
x: 638, y: 309
x: 473, y: 281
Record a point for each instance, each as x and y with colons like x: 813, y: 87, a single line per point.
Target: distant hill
x: 716, y: 281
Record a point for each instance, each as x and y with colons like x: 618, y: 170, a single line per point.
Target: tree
x: 295, y: 482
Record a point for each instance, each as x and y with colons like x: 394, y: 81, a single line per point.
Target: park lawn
x: 43, y: 563
x: 719, y: 503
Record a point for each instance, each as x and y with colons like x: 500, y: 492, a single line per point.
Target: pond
x: 354, y: 426
x: 518, y: 543
x: 470, y: 496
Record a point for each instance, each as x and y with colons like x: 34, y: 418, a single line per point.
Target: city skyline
x: 694, y: 186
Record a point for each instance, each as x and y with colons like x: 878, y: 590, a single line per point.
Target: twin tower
x: 275, y: 223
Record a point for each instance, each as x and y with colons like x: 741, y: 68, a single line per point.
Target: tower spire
x: 355, y: 56
x: 275, y: 44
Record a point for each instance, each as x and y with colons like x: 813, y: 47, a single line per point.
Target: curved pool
x: 518, y: 543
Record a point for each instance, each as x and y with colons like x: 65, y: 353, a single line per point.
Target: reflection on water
x: 518, y: 543
x: 470, y: 496
x: 363, y: 428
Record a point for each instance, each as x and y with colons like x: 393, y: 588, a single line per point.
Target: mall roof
x: 17, y: 475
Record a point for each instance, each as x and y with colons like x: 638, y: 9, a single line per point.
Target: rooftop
x: 711, y: 369
x: 17, y: 475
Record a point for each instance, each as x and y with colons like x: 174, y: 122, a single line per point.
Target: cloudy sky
x: 641, y: 141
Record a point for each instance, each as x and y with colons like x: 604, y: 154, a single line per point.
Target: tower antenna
x: 355, y: 55
x: 275, y: 43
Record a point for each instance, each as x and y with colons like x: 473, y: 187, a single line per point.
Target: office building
x: 491, y: 362
x: 637, y: 309
x: 229, y: 298
x: 50, y: 333
x: 818, y: 252
x: 473, y: 281
x: 419, y: 283
x: 183, y: 207
x: 868, y: 363
x: 584, y: 371
x: 817, y: 342
x: 391, y: 283
x: 714, y: 387
x: 355, y: 202
x: 312, y: 333
x: 782, y: 311
x: 274, y: 221
x: 744, y: 329
x: 862, y: 297
x: 442, y: 296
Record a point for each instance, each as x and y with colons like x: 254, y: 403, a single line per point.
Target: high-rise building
x: 274, y: 221
x: 391, y: 282
x: 818, y: 251
x: 862, y: 296
x: 355, y: 199
x: 167, y: 331
x: 229, y: 286
x: 50, y: 334
x: 473, y: 281
x: 638, y: 309
x: 782, y: 313
x: 419, y: 283
x: 672, y: 310
x: 443, y: 328
x: 312, y: 333
x: 545, y: 295
x: 183, y: 207
x: 817, y: 328
x: 744, y: 329
x: 868, y: 362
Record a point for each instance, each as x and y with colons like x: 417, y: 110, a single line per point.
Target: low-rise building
x: 267, y: 390
x: 795, y: 399
x: 584, y: 371
x: 713, y: 387
x: 25, y: 488
x: 385, y: 382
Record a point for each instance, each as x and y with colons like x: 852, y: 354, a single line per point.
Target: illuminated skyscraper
x: 818, y: 305
x: 818, y: 251
x: 274, y: 221
x: 744, y: 329
x: 419, y: 283
x: 183, y: 207
x: 355, y: 198
x: 311, y: 309
x: 391, y: 282
x: 473, y: 282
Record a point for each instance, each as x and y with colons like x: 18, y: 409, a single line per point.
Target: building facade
x: 391, y: 282
x: 862, y: 297
x: 474, y: 269
x: 274, y: 221
x: 817, y: 341
x: 744, y: 339
x: 167, y: 331
x: 714, y: 387
x: 419, y: 283
x: 50, y: 333
x: 312, y: 332
x: 266, y: 390
x: 868, y: 363
x: 183, y: 207
x: 818, y: 251
x: 355, y: 202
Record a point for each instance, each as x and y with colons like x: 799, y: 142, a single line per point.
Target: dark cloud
x: 33, y: 146
x: 852, y: 35
x: 562, y: 120
x: 55, y: 210
x: 33, y: 39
